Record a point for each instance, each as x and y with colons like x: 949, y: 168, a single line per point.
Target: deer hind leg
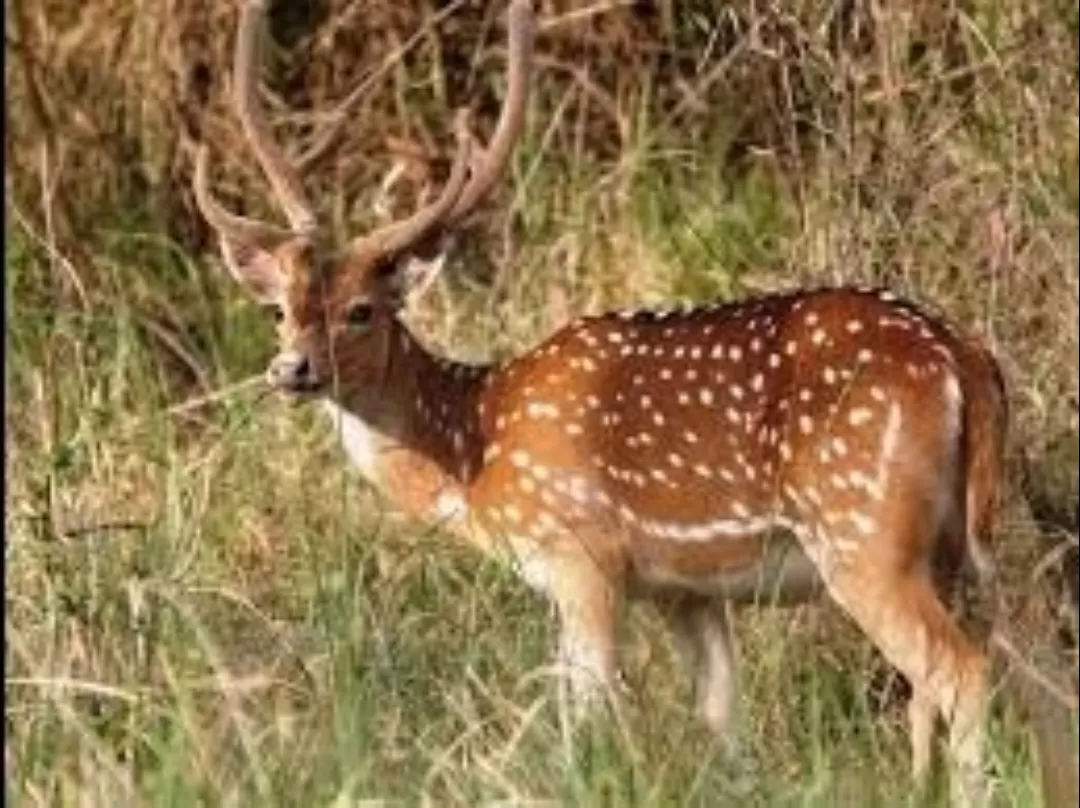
x: 900, y: 610
x: 704, y: 632
x: 953, y: 579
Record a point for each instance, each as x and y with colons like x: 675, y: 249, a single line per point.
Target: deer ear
x: 253, y: 261
x: 411, y: 275
x: 419, y: 273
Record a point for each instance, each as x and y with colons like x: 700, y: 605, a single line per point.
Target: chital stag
x: 838, y: 441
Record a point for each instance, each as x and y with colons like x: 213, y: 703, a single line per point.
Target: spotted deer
x: 833, y: 441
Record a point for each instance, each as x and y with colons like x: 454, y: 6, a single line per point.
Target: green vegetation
x: 204, y: 605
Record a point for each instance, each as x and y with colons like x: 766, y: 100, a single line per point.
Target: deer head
x: 337, y: 305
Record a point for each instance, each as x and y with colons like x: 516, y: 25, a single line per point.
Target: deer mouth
x: 298, y: 388
x: 303, y: 390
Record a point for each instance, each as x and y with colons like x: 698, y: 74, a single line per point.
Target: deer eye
x: 359, y: 315
x: 276, y: 311
x: 387, y: 267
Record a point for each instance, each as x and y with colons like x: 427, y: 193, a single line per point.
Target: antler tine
x: 400, y: 235
x: 489, y: 163
x: 230, y: 226
x: 459, y: 196
x: 283, y: 178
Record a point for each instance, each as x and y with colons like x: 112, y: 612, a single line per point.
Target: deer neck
x: 417, y: 435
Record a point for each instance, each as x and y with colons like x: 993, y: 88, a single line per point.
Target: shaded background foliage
x: 114, y: 84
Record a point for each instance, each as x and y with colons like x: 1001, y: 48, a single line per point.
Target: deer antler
x: 489, y: 163
x: 485, y: 167
x: 470, y: 180
x: 233, y: 227
x: 283, y: 178
x: 402, y: 234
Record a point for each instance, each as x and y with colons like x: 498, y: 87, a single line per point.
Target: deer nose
x: 292, y: 371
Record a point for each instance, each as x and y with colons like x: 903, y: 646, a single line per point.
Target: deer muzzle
x: 293, y: 372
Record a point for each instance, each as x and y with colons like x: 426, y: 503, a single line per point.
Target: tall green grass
x: 206, y: 606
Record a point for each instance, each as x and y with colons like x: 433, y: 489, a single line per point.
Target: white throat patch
x: 360, y: 441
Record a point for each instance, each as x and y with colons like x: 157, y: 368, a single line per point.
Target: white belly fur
x: 784, y: 575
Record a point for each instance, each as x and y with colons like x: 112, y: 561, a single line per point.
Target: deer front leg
x: 588, y: 603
